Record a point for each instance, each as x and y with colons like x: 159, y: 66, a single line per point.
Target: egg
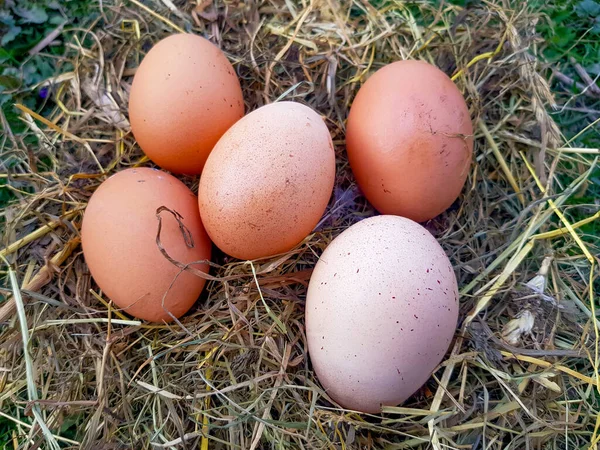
x: 381, y: 311
x: 409, y: 140
x: 118, y: 236
x: 268, y: 180
x: 184, y: 96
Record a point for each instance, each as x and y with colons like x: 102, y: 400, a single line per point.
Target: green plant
x: 571, y: 46
x: 23, y: 25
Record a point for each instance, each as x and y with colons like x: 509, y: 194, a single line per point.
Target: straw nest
x: 522, y: 370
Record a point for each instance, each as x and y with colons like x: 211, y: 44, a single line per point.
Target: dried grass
x: 235, y: 373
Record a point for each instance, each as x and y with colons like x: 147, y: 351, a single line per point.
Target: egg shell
x: 184, y: 96
x: 268, y: 180
x: 381, y: 311
x: 409, y: 139
x: 118, y: 237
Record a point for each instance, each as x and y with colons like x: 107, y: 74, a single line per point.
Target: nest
x: 75, y: 372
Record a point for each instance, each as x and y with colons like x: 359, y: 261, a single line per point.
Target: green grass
x: 571, y: 34
x: 23, y: 24
x: 6, y: 429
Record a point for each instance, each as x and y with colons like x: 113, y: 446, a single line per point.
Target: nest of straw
x: 522, y: 370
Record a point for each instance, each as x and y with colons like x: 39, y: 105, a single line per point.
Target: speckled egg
x: 381, y: 311
x: 268, y: 180
x: 409, y: 139
x: 118, y: 236
x: 184, y: 96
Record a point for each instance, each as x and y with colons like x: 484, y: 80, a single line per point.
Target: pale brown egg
x: 184, y: 96
x: 381, y: 311
x: 409, y: 139
x: 118, y: 236
x: 268, y: 180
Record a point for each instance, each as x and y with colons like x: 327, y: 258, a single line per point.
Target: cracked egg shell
x: 381, y: 311
x: 409, y: 140
x: 268, y: 180
x: 118, y: 236
x: 184, y: 96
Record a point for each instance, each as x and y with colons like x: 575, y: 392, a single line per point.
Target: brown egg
x: 118, y: 236
x: 184, y: 96
x: 409, y: 139
x: 268, y: 180
x: 381, y: 311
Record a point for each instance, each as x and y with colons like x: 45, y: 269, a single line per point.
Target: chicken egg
x: 184, y: 96
x: 381, y: 311
x: 268, y: 180
x: 409, y: 139
x: 119, y: 240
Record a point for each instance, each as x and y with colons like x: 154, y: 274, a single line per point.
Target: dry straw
x: 235, y: 372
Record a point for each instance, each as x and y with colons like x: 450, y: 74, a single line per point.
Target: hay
x: 235, y: 373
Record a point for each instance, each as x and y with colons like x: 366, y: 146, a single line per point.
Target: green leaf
x: 31, y: 74
x: 587, y: 8
x: 563, y: 36
x: 4, y: 55
x: 6, y: 18
x: 44, y: 67
x: 10, y: 35
x: 4, y: 99
x: 559, y: 17
x: 593, y: 69
x: 56, y: 19
x: 35, y: 14
x: 9, y: 82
